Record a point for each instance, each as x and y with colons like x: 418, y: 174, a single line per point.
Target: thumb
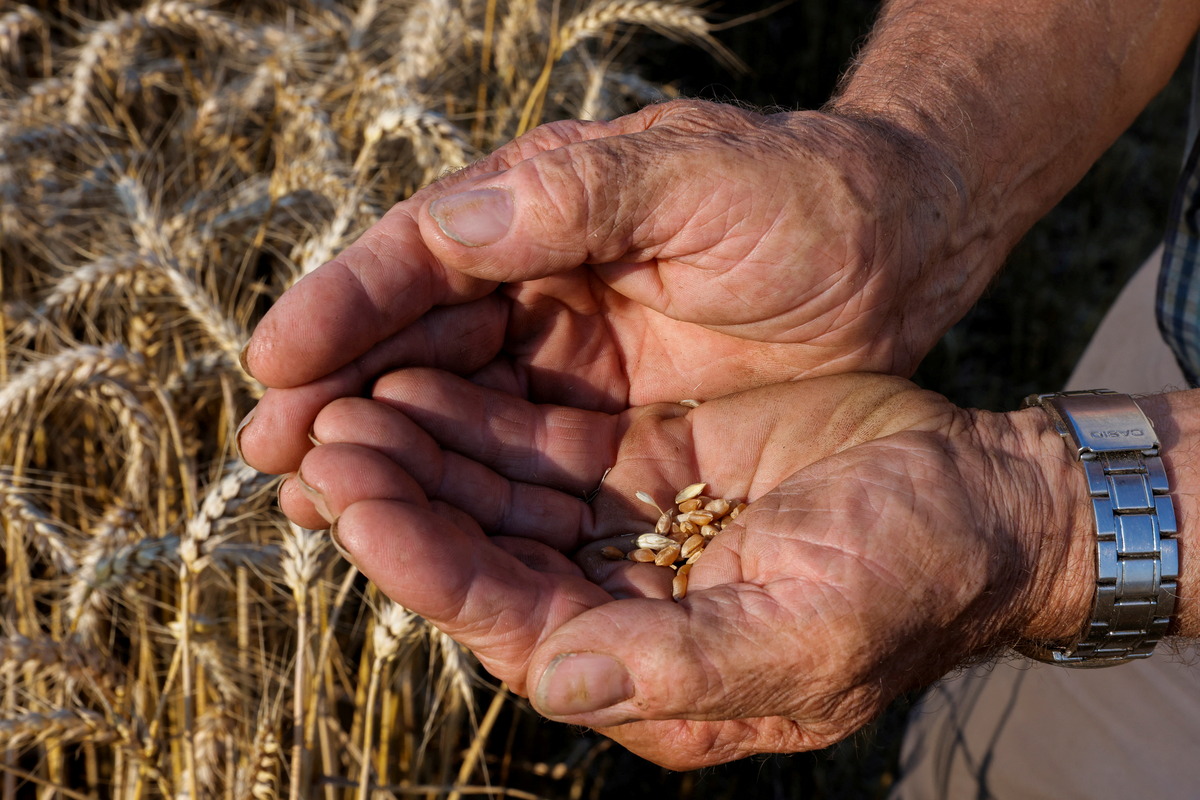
x: 606, y: 199
x: 711, y: 657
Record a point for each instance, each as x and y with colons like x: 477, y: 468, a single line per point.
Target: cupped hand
x: 888, y: 536
x: 685, y: 251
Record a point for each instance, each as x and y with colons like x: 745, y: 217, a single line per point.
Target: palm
x: 814, y: 589
x: 576, y: 340
x: 787, y: 582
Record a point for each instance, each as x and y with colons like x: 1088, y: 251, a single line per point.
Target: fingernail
x: 576, y: 683
x: 243, y: 358
x: 237, y: 434
x: 337, y: 542
x: 475, y: 218
x: 312, y: 437
x: 318, y: 499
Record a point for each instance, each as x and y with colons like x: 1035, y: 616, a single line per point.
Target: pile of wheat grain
x: 166, y: 170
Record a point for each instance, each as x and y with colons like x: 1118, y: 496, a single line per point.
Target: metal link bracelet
x: 1137, y: 555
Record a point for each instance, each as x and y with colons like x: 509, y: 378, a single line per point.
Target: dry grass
x: 166, y: 171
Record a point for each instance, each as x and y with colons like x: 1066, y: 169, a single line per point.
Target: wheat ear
x: 44, y: 532
x: 64, y: 371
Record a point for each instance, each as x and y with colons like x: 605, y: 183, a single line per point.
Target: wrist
x: 1062, y: 528
x: 1037, y: 500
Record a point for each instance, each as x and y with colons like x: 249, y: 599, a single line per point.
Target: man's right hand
x: 688, y: 250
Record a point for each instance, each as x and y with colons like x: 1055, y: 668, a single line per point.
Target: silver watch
x: 1137, y: 555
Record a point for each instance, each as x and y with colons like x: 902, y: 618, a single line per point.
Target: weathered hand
x: 889, y: 536
x: 688, y: 250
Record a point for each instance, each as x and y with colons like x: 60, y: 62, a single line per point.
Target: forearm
x: 1020, y: 96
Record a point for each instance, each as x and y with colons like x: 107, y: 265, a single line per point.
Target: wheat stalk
x: 166, y: 171
x: 124, y: 271
x: 302, y: 550
x: 669, y: 19
x: 147, y: 228
x: 14, y: 24
x: 112, y: 36
x: 64, y: 726
x: 68, y: 660
x: 64, y: 371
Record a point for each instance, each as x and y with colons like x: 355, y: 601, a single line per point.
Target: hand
x: 889, y: 536
x: 688, y: 250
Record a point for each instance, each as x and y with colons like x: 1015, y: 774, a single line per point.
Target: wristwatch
x: 1137, y: 555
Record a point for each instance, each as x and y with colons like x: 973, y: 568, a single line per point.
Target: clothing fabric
x: 1179, y: 283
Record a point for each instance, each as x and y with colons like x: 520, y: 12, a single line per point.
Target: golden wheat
x: 167, y: 169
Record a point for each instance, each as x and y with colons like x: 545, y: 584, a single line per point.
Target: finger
x: 604, y: 200
x: 476, y: 592
x: 297, y: 505
x: 725, y: 652
x: 457, y: 338
x: 385, y: 280
x: 536, y: 555
x: 621, y: 577
x: 499, y: 506
x: 335, y: 476
x: 683, y: 745
x: 559, y: 446
x: 380, y: 284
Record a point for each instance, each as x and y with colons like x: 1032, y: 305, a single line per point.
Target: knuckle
x: 579, y: 187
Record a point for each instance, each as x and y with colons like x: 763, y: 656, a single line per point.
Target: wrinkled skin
x: 637, y: 286
x: 868, y: 561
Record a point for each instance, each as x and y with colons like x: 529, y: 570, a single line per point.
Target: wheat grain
x: 303, y: 552
x: 454, y: 679
x: 116, y: 36
x: 522, y: 25
x: 437, y: 143
x: 215, y: 728
x: 213, y: 29
x: 668, y: 18
x: 104, y: 562
x: 148, y: 231
x: 395, y: 626
x: 100, y: 43
x: 307, y: 135
x: 697, y: 520
x: 39, y: 102
x: 220, y: 669
x: 264, y: 766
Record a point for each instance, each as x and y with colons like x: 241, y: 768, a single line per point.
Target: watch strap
x: 1137, y: 555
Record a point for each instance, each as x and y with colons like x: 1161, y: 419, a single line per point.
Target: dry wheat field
x: 167, y: 169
